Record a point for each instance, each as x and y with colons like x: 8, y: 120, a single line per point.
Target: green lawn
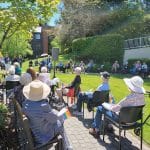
x: 118, y: 89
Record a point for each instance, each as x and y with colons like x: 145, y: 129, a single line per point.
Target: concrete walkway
x: 80, y: 139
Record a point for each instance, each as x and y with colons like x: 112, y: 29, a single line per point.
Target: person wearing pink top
x: 135, y: 98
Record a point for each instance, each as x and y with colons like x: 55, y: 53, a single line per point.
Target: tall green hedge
x: 106, y: 48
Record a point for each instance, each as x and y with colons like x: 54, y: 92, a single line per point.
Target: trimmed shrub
x: 107, y: 48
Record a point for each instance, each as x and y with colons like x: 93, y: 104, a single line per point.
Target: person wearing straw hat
x: 135, y: 98
x: 45, y: 122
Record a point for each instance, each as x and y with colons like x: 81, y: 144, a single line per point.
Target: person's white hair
x: 16, y: 64
x: 25, y: 79
x: 78, y: 70
x: 11, y: 70
x: 44, y: 69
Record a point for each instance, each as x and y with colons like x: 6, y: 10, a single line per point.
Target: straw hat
x: 135, y: 84
x: 36, y: 90
x: 25, y: 79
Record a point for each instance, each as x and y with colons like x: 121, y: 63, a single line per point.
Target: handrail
x: 137, y: 43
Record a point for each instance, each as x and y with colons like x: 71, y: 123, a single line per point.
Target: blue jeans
x: 98, y: 117
x: 83, y: 97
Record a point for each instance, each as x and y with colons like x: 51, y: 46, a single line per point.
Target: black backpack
x: 99, y: 97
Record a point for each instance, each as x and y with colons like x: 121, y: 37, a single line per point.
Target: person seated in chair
x: 65, y: 90
x: 44, y: 121
x: 44, y: 76
x: 17, y: 68
x: 32, y: 72
x: 24, y: 80
x: 135, y: 98
x: 11, y: 75
x: 85, y: 96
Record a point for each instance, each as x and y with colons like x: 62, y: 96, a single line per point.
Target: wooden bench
x: 25, y: 137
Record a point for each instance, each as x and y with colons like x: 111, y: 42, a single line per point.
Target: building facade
x: 40, y: 42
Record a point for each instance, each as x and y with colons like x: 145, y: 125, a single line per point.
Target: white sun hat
x: 135, y: 84
x: 36, y: 90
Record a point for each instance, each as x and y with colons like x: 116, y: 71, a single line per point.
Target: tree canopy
x: 23, y: 16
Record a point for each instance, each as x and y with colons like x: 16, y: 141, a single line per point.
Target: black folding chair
x: 99, y: 97
x: 11, y: 84
x: 129, y: 117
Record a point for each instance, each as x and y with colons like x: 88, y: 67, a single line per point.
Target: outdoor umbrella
x: 44, y: 55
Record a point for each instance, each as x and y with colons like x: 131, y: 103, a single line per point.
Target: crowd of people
x: 137, y: 68
x: 33, y: 95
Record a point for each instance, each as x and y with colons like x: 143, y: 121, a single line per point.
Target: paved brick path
x: 77, y: 132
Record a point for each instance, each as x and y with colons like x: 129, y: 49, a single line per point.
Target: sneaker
x: 77, y: 113
x: 74, y: 106
x: 94, y: 133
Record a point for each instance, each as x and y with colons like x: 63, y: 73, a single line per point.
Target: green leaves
x: 3, y: 115
x: 107, y: 48
x: 24, y: 15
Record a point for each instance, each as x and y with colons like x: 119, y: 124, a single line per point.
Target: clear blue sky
x: 53, y: 20
x: 57, y: 15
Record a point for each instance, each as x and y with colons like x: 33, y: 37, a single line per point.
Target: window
x: 37, y: 36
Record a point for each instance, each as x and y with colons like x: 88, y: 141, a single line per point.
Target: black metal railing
x: 137, y: 43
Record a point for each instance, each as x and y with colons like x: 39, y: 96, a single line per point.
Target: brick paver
x: 78, y: 136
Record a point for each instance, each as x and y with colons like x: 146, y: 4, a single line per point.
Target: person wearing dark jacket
x: 66, y: 90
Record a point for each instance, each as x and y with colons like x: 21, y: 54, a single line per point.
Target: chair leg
x: 93, y: 113
x: 103, y: 127
x: 83, y: 109
x: 67, y: 100
x: 141, y: 137
x: 119, y: 139
x: 124, y: 133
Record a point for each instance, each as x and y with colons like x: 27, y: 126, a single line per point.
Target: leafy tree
x: 18, y: 44
x: 24, y: 16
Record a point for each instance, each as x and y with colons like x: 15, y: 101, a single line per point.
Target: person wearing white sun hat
x: 135, y: 98
x: 45, y: 122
